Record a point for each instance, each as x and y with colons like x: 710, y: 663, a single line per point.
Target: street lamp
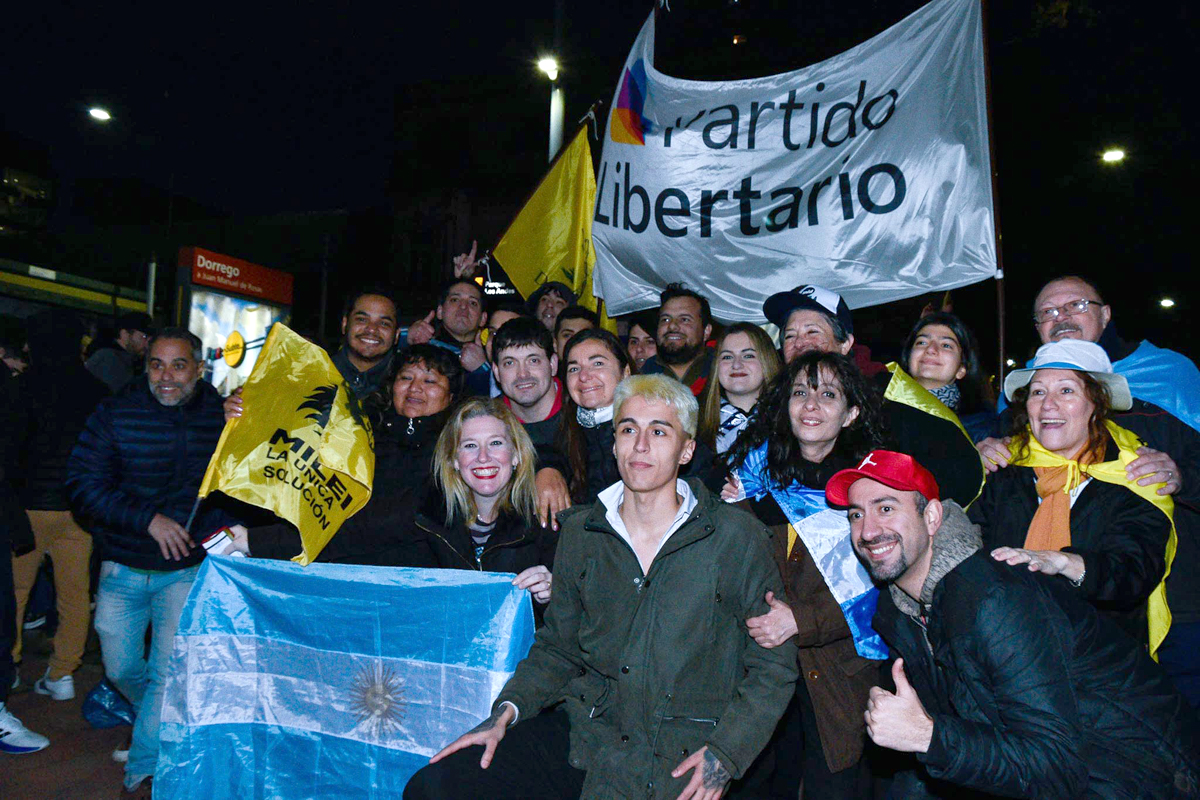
x: 1113, y: 155
x: 1167, y: 302
x: 549, y: 65
x: 99, y: 114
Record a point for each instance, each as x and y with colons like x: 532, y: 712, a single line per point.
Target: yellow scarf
x: 1157, y: 613
x: 903, y: 389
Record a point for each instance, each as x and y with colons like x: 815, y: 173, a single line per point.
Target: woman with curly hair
x: 819, y: 416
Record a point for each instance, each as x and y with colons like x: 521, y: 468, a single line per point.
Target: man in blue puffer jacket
x: 134, y: 476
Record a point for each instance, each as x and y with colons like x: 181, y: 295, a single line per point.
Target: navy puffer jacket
x: 137, y: 458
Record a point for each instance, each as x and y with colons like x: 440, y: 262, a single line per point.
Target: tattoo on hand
x: 715, y: 774
x: 487, y: 724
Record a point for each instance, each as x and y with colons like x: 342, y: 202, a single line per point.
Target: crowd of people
x: 758, y: 568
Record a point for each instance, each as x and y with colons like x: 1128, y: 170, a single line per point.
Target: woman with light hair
x: 746, y: 363
x: 481, y: 513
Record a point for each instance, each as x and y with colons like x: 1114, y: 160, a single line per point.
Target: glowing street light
x: 1167, y: 302
x: 1009, y: 362
x: 549, y: 66
x: 99, y: 114
x: 1114, y: 155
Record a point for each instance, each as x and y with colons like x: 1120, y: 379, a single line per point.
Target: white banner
x: 867, y: 173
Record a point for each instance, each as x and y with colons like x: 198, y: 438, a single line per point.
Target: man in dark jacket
x: 457, y: 325
x: 1007, y: 683
x: 644, y: 645
x: 116, y: 361
x: 58, y: 394
x: 134, y: 478
x: 370, y: 329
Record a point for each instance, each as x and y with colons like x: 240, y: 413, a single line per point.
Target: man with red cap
x: 1006, y: 682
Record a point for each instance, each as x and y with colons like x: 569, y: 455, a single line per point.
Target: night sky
x: 254, y: 112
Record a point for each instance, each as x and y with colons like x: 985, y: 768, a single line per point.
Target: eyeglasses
x: 1069, y: 310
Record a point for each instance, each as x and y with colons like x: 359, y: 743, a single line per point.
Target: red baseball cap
x: 896, y: 470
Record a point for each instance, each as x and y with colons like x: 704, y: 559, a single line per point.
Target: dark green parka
x: 652, y: 668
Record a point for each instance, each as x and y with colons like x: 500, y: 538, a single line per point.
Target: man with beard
x: 457, y: 324
x: 133, y: 479
x: 369, y: 332
x: 1008, y: 683
x: 116, y: 361
x: 684, y: 325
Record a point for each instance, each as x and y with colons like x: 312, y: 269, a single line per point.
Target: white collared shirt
x: 614, y: 496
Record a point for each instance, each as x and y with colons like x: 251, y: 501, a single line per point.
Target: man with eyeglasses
x: 1166, y: 416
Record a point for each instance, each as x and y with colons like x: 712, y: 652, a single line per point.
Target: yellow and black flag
x: 551, y: 237
x: 303, y: 450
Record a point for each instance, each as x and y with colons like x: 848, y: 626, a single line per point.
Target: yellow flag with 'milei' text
x: 303, y: 449
x: 551, y: 237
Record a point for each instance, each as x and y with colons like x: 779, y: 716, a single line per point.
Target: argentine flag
x: 330, y: 680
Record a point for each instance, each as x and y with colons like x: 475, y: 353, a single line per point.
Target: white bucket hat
x: 1080, y: 356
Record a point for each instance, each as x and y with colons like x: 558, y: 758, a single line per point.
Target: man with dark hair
x: 133, y: 479
x: 643, y: 681
x: 684, y: 327
x: 116, y: 362
x: 369, y: 332
x: 1007, y: 682
x: 1071, y: 307
x: 457, y: 325
x: 549, y: 300
x: 571, y: 320
x: 524, y: 364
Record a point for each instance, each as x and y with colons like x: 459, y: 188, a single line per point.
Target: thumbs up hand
x: 421, y: 331
x: 898, y: 721
x: 775, y: 627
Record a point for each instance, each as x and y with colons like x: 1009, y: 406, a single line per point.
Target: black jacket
x: 404, y: 448
x: 1122, y: 538
x: 1164, y: 431
x: 17, y: 532
x: 938, y: 445
x: 513, y: 545
x: 59, y: 394
x: 1032, y: 693
x: 137, y: 458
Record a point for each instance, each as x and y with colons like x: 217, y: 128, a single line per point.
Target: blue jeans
x: 128, y: 600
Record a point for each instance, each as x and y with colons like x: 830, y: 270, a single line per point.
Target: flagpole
x: 987, y: 82
x: 549, y: 168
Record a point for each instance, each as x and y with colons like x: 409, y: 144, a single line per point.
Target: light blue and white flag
x: 825, y: 533
x: 330, y: 680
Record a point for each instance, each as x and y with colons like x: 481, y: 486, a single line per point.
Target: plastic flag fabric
x: 303, y: 448
x: 331, y: 680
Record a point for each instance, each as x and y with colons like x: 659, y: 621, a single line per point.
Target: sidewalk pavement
x: 77, y: 764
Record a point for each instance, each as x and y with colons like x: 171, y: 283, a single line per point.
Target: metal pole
x: 987, y: 78
x: 557, y: 109
x: 151, y: 275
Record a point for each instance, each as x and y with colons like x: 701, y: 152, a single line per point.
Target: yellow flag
x: 303, y: 450
x: 551, y: 237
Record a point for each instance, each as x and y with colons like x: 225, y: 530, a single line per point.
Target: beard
x: 679, y: 354
x: 886, y: 573
x: 186, y: 390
